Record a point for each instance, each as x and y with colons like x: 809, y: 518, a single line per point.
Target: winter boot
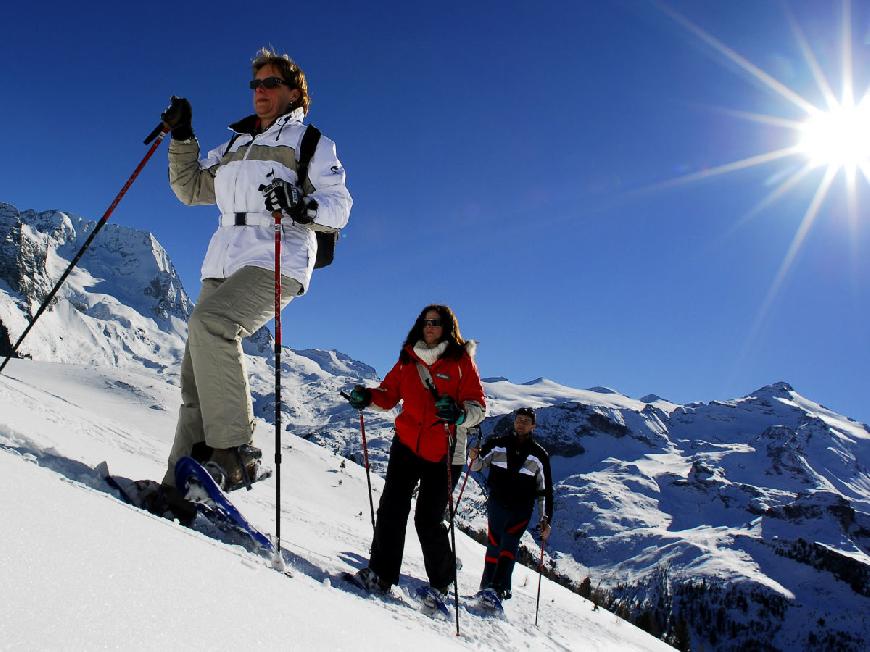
x: 165, y: 501
x: 236, y: 467
x: 367, y: 579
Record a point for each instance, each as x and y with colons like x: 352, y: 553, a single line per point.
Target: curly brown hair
x: 450, y: 333
x: 290, y: 73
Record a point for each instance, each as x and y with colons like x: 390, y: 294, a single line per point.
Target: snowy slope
x: 756, y: 510
x: 83, y: 570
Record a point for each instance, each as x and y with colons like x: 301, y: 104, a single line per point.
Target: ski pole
x: 449, y: 436
x: 157, y: 136
x: 467, y: 472
x: 452, y: 526
x: 362, y: 429
x: 277, y: 559
x: 540, y: 572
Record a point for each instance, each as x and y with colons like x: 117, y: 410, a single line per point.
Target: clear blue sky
x: 507, y: 158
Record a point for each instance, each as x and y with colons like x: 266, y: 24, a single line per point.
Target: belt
x: 247, y: 219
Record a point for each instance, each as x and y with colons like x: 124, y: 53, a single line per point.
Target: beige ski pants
x: 216, y: 398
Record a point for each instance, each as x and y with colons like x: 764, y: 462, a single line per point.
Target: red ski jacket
x: 417, y: 426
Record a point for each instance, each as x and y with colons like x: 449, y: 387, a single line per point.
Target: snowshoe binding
x: 432, y: 599
x: 489, y: 600
x: 236, y: 467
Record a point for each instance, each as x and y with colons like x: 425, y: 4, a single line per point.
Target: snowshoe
x: 199, y: 487
x: 158, y: 499
x: 489, y: 600
x: 367, y: 580
x: 432, y: 599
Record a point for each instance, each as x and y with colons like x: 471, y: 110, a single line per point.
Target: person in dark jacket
x: 434, y: 355
x: 519, y: 476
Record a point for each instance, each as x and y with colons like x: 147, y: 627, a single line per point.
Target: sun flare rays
x: 833, y: 137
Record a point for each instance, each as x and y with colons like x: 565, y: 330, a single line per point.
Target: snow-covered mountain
x: 721, y: 524
x: 747, y: 519
x: 123, y: 305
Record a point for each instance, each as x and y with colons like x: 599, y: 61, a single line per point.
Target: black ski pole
x: 362, y: 429
x: 540, y: 572
x: 157, y: 136
x: 277, y: 559
x: 435, y: 395
x: 452, y: 526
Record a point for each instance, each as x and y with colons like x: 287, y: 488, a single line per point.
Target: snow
x: 84, y: 570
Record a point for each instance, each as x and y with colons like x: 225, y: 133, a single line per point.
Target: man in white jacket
x: 248, y: 177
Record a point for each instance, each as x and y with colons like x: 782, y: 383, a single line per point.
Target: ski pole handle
x: 160, y: 128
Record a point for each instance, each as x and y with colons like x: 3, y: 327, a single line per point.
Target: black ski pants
x: 404, y: 470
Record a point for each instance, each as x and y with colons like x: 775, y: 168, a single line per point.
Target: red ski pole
x: 157, y: 136
x: 465, y: 479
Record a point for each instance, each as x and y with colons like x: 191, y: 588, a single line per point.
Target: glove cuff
x: 182, y: 133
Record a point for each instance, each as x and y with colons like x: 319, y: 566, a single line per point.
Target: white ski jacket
x: 230, y: 176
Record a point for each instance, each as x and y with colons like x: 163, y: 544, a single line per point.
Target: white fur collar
x: 427, y: 355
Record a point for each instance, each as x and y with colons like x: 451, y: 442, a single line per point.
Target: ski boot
x: 236, y: 467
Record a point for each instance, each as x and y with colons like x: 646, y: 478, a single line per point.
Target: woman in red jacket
x: 433, y: 355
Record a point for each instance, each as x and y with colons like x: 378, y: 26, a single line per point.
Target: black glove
x: 286, y: 197
x: 448, y: 411
x: 178, y: 116
x: 360, y: 398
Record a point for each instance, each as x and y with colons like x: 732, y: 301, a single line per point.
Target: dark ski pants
x: 505, y: 528
x: 404, y: 470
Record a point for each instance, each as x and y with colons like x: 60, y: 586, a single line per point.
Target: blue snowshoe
x: 432, y: 599
x: 198, y: 486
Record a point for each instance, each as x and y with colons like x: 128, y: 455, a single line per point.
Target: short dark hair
x: 290, y: 72
x: 526, y: 412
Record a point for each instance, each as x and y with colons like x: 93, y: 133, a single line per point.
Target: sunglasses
x: 431, y: 322
x: 269, y: 82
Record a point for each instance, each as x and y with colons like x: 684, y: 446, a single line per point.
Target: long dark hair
x: 450, y: 333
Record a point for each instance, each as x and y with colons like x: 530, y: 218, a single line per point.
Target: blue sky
x: 508, y: 159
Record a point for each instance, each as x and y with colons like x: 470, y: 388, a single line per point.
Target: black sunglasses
x: 431, y: 322
x: 269, y: 82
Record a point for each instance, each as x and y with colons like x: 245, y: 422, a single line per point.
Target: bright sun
x: 839, y: 138
x: 835, y: 138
